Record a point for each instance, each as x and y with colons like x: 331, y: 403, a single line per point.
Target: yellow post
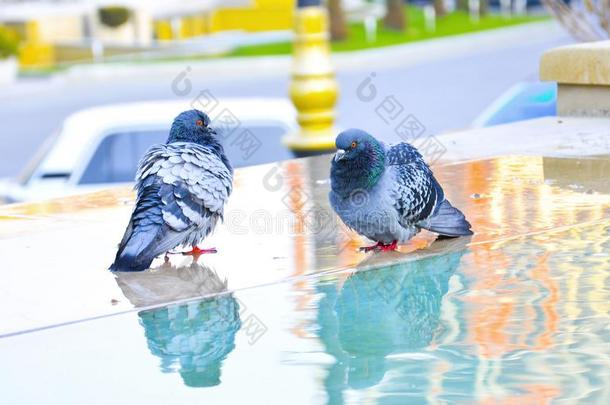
x: 313, y: 89
x: 34, y: 51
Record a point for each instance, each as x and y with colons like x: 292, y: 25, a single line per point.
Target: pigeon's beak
x: 339, y: 155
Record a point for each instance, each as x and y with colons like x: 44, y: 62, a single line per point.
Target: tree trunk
x: 463, y: 6
x: 439, y: 8
x: 483, y: 7
x: 338, y: 25
x: 395, y: 15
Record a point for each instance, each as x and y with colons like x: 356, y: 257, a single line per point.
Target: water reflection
x: 192, y: 339
x: 379, y: 312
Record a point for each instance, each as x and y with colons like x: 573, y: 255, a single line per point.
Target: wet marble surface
x: 278, y: 227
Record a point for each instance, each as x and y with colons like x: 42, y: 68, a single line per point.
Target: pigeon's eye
x: 354, y: 144
x: 199, y: 123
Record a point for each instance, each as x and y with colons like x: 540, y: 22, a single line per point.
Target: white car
x: 100, y: 147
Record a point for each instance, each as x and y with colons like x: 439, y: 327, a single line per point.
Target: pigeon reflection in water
x: 378, y: 312
x: 192, y: 339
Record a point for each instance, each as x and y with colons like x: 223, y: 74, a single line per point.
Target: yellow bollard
x: 34, y: 52
x: 313, y: 89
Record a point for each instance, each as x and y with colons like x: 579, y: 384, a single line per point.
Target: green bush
x: 114, y: 16
x: 9, y: 42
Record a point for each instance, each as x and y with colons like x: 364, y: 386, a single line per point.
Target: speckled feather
x: 417, y: 191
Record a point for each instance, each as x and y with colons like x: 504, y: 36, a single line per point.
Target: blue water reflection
x: 192, y: 339
x: 378, y: 312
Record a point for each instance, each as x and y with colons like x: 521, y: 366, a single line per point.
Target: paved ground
x: 445, y: 84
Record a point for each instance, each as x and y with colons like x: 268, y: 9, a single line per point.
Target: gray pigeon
x: 182, y: 187
x: 388, y: 193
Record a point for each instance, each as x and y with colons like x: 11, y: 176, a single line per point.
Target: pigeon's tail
x: 129, y: 262
x: 447, y: 221
x: 140, y: 244
x: 133, y: 253
x: 126, y: 264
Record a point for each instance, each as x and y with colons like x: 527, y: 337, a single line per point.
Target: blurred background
x: 86, y: 86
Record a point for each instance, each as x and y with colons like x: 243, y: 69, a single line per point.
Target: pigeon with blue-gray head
x: 388, y: 193
x: 182, y: 187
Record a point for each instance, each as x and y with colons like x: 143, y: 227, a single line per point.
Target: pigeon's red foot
x: 196, y: 252
x: 380, y: 247
x: 389, y: 247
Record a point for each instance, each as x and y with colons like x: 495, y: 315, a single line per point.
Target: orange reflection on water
x: 535, y: 394
x: 297, y: 204
x: 69, y: 205
x: 513, y: 197
x: 542, y: 273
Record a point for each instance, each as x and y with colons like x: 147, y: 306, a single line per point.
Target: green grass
x: 451, y: 24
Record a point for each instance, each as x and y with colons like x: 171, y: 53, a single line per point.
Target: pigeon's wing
x: 181, y: 187
x: 402, y: 154
x: 420, y: 199
x: 416, y: 191
x: 416, y: 194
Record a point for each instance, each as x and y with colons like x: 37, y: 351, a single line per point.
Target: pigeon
x: 182, y: 187
x: 388, y: 193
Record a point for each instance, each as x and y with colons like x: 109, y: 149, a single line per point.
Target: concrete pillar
x: 582, y: 73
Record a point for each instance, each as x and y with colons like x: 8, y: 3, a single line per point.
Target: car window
x: 117, y: 156
x: 255, y: 143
